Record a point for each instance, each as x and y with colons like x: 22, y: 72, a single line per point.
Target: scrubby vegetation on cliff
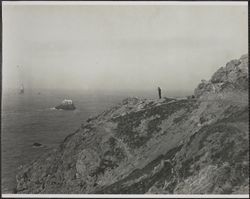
x: 181, y: 146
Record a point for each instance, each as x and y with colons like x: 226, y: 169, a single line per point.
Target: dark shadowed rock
x: 36, y: 144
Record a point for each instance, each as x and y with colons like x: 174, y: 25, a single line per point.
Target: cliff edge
x: 174, y: 146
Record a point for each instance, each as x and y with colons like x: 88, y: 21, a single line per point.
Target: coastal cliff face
x: 172, y: 146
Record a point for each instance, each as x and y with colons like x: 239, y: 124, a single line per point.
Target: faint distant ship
x: 66, y: 105
x: 21, y: 91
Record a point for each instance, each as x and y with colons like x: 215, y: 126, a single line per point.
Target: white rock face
x: 67, y: 102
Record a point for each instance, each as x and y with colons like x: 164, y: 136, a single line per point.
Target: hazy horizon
x: 119, y: 47
x: 71, y: 93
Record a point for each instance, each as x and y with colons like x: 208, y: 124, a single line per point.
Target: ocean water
x: 30, y: 118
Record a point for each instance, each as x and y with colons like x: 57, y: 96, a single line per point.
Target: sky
x: 138, y: 47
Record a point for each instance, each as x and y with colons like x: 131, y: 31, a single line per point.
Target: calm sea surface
x: 29, y: 118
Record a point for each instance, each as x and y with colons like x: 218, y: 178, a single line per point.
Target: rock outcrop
x: 67, y: 105
x: 231, y: 78
x: 174, y: 146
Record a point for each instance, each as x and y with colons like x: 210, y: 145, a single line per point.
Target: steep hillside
x: 193, y: 145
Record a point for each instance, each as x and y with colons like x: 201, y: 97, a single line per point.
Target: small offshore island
x: 66, y: 105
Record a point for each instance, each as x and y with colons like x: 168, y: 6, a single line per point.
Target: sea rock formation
x: 36, y: 144
x: 66, y: 105
x: 173, y: 146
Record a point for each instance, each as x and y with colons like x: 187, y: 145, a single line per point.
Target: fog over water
x: 119, y: 47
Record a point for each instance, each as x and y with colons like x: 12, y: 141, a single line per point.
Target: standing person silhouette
x: 159, y: 92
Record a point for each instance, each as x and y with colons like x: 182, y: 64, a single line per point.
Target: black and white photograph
x: 130, y: 98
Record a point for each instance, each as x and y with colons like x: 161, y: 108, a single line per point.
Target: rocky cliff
x: 177, y: 146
